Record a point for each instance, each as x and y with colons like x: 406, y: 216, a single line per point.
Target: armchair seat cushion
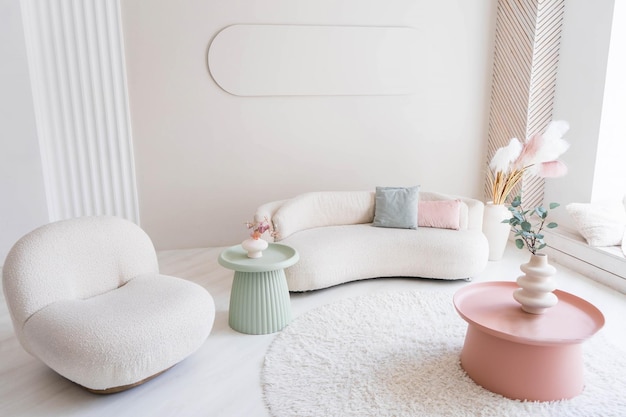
x: 122, y: 336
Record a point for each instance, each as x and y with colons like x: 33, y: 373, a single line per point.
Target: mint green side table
x: 259, y: 297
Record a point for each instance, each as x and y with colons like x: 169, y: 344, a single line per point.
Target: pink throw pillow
x: 441, y: 214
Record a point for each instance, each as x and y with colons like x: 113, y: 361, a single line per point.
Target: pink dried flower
x: 258, y: 228
x: 538, y: 155
x: 551, y: 169
x: 529, y: 151
x: 546, y: 147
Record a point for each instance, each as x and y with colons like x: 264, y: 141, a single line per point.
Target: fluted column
x: 77, y: 70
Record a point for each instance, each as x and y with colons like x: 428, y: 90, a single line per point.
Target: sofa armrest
x: 324, y: 208
x: 267, y: 211
x: 475, y: 213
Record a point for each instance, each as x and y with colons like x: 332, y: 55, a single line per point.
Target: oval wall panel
x: 292, y: 60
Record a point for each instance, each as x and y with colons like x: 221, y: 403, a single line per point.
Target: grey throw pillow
x: 396, y: 207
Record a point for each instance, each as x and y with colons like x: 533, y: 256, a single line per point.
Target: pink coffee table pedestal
x: 520, y: 355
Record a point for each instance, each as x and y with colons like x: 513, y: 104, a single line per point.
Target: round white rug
x: 397, y: 354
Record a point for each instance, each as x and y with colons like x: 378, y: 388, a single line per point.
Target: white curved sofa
x: 337, y: 243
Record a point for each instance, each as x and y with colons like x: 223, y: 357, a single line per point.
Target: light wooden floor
x: 222, y: 378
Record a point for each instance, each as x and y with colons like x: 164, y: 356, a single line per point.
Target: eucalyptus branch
x: 528, y: 233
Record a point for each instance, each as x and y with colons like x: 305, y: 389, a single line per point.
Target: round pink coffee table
x: 521, y: 355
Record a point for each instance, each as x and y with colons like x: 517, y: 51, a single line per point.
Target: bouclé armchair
x: 86, y: 297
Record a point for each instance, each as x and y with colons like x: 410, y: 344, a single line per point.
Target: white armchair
x: 86, y: 298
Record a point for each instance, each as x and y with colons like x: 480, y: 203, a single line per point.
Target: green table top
x: 276, y: 256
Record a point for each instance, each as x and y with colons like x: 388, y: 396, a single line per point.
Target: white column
x: 77, y: 70
x: 526, y: 57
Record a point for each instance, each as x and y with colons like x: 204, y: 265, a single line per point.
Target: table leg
x: 259, y: 302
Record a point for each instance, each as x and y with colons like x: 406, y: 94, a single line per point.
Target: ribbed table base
x: 259, y: 302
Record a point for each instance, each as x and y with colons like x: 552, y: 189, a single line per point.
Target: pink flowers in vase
x: 258, y: 228
x: 538, y: 155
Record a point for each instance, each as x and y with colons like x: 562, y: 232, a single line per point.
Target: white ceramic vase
x: 254, y: 247
x: 536, y: 285
x: 497, y: 233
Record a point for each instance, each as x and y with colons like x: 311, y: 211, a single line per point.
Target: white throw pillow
x: 601, y: 224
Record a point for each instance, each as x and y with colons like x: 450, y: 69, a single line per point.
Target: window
x: 591, y: 95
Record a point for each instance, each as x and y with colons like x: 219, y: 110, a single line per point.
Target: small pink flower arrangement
x: 538, y: 155
x: 258, y: 228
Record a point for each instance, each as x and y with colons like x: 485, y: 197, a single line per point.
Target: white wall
x: 194, y: 142
x: 206, y: 159
x: 22, y: 195
x: 578, y: 99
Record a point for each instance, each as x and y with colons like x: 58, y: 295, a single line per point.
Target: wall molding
x: 307, y: 60
x: 78, y: 78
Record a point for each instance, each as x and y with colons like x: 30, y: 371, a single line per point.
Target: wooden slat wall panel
x: 527, y: 41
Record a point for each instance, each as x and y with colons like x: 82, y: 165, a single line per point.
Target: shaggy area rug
x: 397, y: 354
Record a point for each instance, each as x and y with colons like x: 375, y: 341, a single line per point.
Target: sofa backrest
x: 334, y: 208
